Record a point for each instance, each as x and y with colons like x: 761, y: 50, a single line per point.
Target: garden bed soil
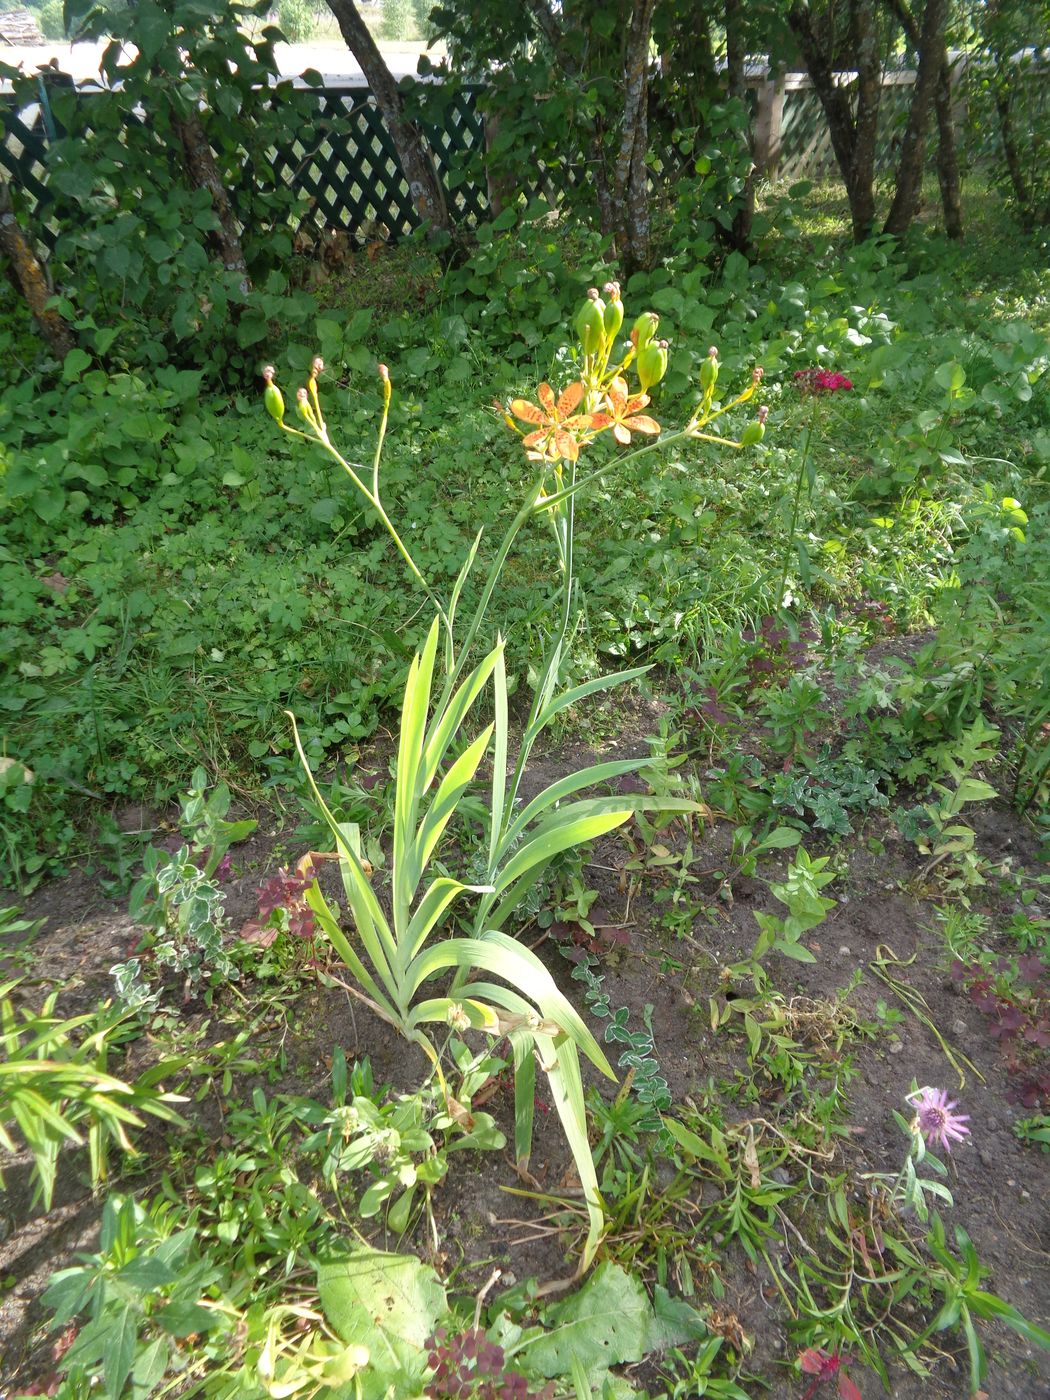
x: 1001, y: 1187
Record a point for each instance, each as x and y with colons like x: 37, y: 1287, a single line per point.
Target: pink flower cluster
x: 820, y: 381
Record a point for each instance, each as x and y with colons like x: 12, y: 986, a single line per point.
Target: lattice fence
x: 23, y: 152
x: 350, y: 172
x: 805, y: 149
x: 352, y: 179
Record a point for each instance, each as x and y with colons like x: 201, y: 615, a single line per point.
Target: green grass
x: 170, y: 619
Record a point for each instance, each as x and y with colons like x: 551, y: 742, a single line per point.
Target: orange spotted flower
x: 556, y: 427
x: 621, y: 413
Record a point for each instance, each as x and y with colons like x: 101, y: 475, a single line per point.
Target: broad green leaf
x: 119, y: 1352
x: 695, y: 1145
x: 609, y: 1322
x: 950, y: 376
x: 524, y: 1094
x: 779, y: 840
x: 566, y: 787
x: 482, y: 1017
x: 561, y: 1063
x: 461, y: 578
x: 389, y: 1303
x: 798, y: 951
x: 448, y: 719
x: 438, y: 896
x: 74, y: 365
x: 504, y: 957
x: 339, y: 941
x: 369, y: 918
x: 499, y: 759
x: 574, y: 825
x: 674, y: 1322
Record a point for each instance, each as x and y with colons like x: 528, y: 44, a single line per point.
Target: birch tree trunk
x: 425, y: 188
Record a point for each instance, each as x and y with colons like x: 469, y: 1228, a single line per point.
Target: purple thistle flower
x: 934, y: 1118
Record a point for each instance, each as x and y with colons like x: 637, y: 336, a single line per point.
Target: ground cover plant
x: 734, y: 779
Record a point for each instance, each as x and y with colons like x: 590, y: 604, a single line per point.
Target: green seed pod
x: 755, y: 432
x: 709, y: 371
x: 274, y: 401
x: 644, y: 329
x: 590, y: 325
x: 752, y: 435
x: 613, y: 316
x: 652, y: 364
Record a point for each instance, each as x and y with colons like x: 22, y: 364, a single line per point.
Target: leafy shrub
x: 397, y: 16
x: 51, y: 19
x: 139, y: 256
x: 297, y: 20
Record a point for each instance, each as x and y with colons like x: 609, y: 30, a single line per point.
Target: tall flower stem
x: 373, y: 498
x: 792, y: 527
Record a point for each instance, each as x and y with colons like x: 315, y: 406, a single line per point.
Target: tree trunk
x: 869, y: 96
x: 204, y: 175
x: 1022, y: 189
x: 736, y: 84
x: 32, y: 277
x: 947, y: 152
x: 428, y: 195
x: 853, y: 141
x: 631, y: 176
x: 947, y: 147
x: 913, y: 150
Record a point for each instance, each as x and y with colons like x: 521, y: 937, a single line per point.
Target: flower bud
x: 316, y: 367
x: 709, y: 370
x: 613, y: 316
x: 652, y: 364
x: 384, y: 373
x: 590, y: 323
x: 303, y: 405
x: 757, y: 375
x: 644, y: 329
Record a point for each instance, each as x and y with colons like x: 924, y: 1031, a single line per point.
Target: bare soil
x: 883, y: 920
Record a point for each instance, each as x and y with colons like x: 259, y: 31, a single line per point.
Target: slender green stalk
x: 794, y: 511
x: 374, y: 500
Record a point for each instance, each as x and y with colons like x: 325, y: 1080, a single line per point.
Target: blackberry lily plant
x: 487, y: 981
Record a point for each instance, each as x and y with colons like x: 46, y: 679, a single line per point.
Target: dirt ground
x: 882, y: 920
